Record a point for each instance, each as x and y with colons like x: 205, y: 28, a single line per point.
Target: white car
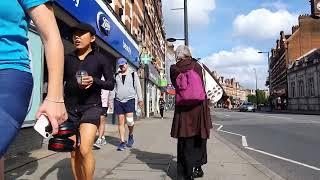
x: 247, y: 107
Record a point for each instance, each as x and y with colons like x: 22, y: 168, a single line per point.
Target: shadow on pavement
x: 157, y: 161
x: 64, y: 170
x: 20, y: 161
x: 112, y: 140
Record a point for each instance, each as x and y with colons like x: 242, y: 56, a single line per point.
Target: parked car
x: 247, y: 106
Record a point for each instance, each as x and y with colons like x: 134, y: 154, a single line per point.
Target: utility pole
x: 255, y: 72
x: 269, y: 71
x: 186, y: 32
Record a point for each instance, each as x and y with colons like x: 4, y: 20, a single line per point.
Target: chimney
x: 295, y: 28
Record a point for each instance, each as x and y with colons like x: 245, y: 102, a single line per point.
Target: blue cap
x: 122, y: 61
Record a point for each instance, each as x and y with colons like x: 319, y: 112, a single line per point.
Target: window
x: 310, y: 87
x: 301, y: 88
x: 293, y: 88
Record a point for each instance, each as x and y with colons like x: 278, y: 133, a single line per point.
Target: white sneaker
x: 97, y: 144
x: 103, y: 141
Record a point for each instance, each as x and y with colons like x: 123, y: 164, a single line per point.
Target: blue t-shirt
x: 14, y: 22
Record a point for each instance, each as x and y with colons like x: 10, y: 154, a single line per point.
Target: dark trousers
x: 192, y: 152
x: 161, y: 111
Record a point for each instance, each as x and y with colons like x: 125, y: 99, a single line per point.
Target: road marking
x: 244, y: 141
x: 231, y: 133
x: 243, y: 138
x: 245, y: 145
x: 316, y: 122
x: 285, y: 159
x: 279, y: 117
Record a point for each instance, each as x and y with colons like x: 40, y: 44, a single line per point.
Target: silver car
x: 247, y: 107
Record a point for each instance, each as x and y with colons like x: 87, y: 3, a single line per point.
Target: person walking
x: 106, y: 102
x: 162, y: 104
x: 84, y: 69
x: 16, y: 80
x: 191, y: 123
x: 126, y: 89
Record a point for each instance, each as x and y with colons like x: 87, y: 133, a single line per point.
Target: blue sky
x: 228, y: 34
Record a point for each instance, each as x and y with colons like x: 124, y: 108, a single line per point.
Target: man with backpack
x: 127, y: 88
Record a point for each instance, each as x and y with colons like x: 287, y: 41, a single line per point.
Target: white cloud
x: 276, y: 4
x: 262, y: 24
x: 240, y: 63
x: 198, y: 15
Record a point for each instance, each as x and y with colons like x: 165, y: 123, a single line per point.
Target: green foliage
x: 261, y: 98
x: 231, y: 98
x: 252, y: 98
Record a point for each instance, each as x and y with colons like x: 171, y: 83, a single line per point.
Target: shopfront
x: 112, y: 40
x: 153, y: 91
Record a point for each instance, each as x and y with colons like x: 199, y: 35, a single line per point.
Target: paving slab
x: 153, y: 157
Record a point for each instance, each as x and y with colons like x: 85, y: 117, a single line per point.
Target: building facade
x: 122, y: 31
x: 305, y: 37
x: 236, y: 94
x: 170, y: 60
x: 278, y: 71
x: 143, y: 19
x: 304, y: 82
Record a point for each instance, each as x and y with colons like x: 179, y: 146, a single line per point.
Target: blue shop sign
x: 96, y: 13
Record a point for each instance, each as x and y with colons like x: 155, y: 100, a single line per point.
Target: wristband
x: 53, y: 101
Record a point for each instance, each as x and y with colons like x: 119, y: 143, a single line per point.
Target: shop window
x: 120, y: 13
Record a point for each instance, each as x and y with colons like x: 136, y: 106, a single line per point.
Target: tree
x: 252, y: 98
x: 261, y: 98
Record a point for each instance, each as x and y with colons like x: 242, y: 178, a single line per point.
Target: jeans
x: 15, y: 92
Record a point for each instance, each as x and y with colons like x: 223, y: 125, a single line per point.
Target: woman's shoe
x: 198, y: 172
x: 189, y: 178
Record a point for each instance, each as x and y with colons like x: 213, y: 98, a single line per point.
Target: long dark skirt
x: 192, y: 152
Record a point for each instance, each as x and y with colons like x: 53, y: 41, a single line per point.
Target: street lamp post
x: 269, y: 72
x: 186, y: 30
x: 255, y: 73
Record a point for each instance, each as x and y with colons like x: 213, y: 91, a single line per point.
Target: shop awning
x: 171, y: 91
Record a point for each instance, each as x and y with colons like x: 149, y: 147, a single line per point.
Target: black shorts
x: 104, y: 111
x: 85, y: 114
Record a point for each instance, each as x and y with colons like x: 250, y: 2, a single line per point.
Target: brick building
x: 236, y: 93
x: 144, y: 20
x: 305, y: 37
x: 123, y: 28
x: 278, y: 71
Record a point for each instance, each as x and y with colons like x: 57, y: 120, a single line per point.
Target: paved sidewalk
x: 152, y: 158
